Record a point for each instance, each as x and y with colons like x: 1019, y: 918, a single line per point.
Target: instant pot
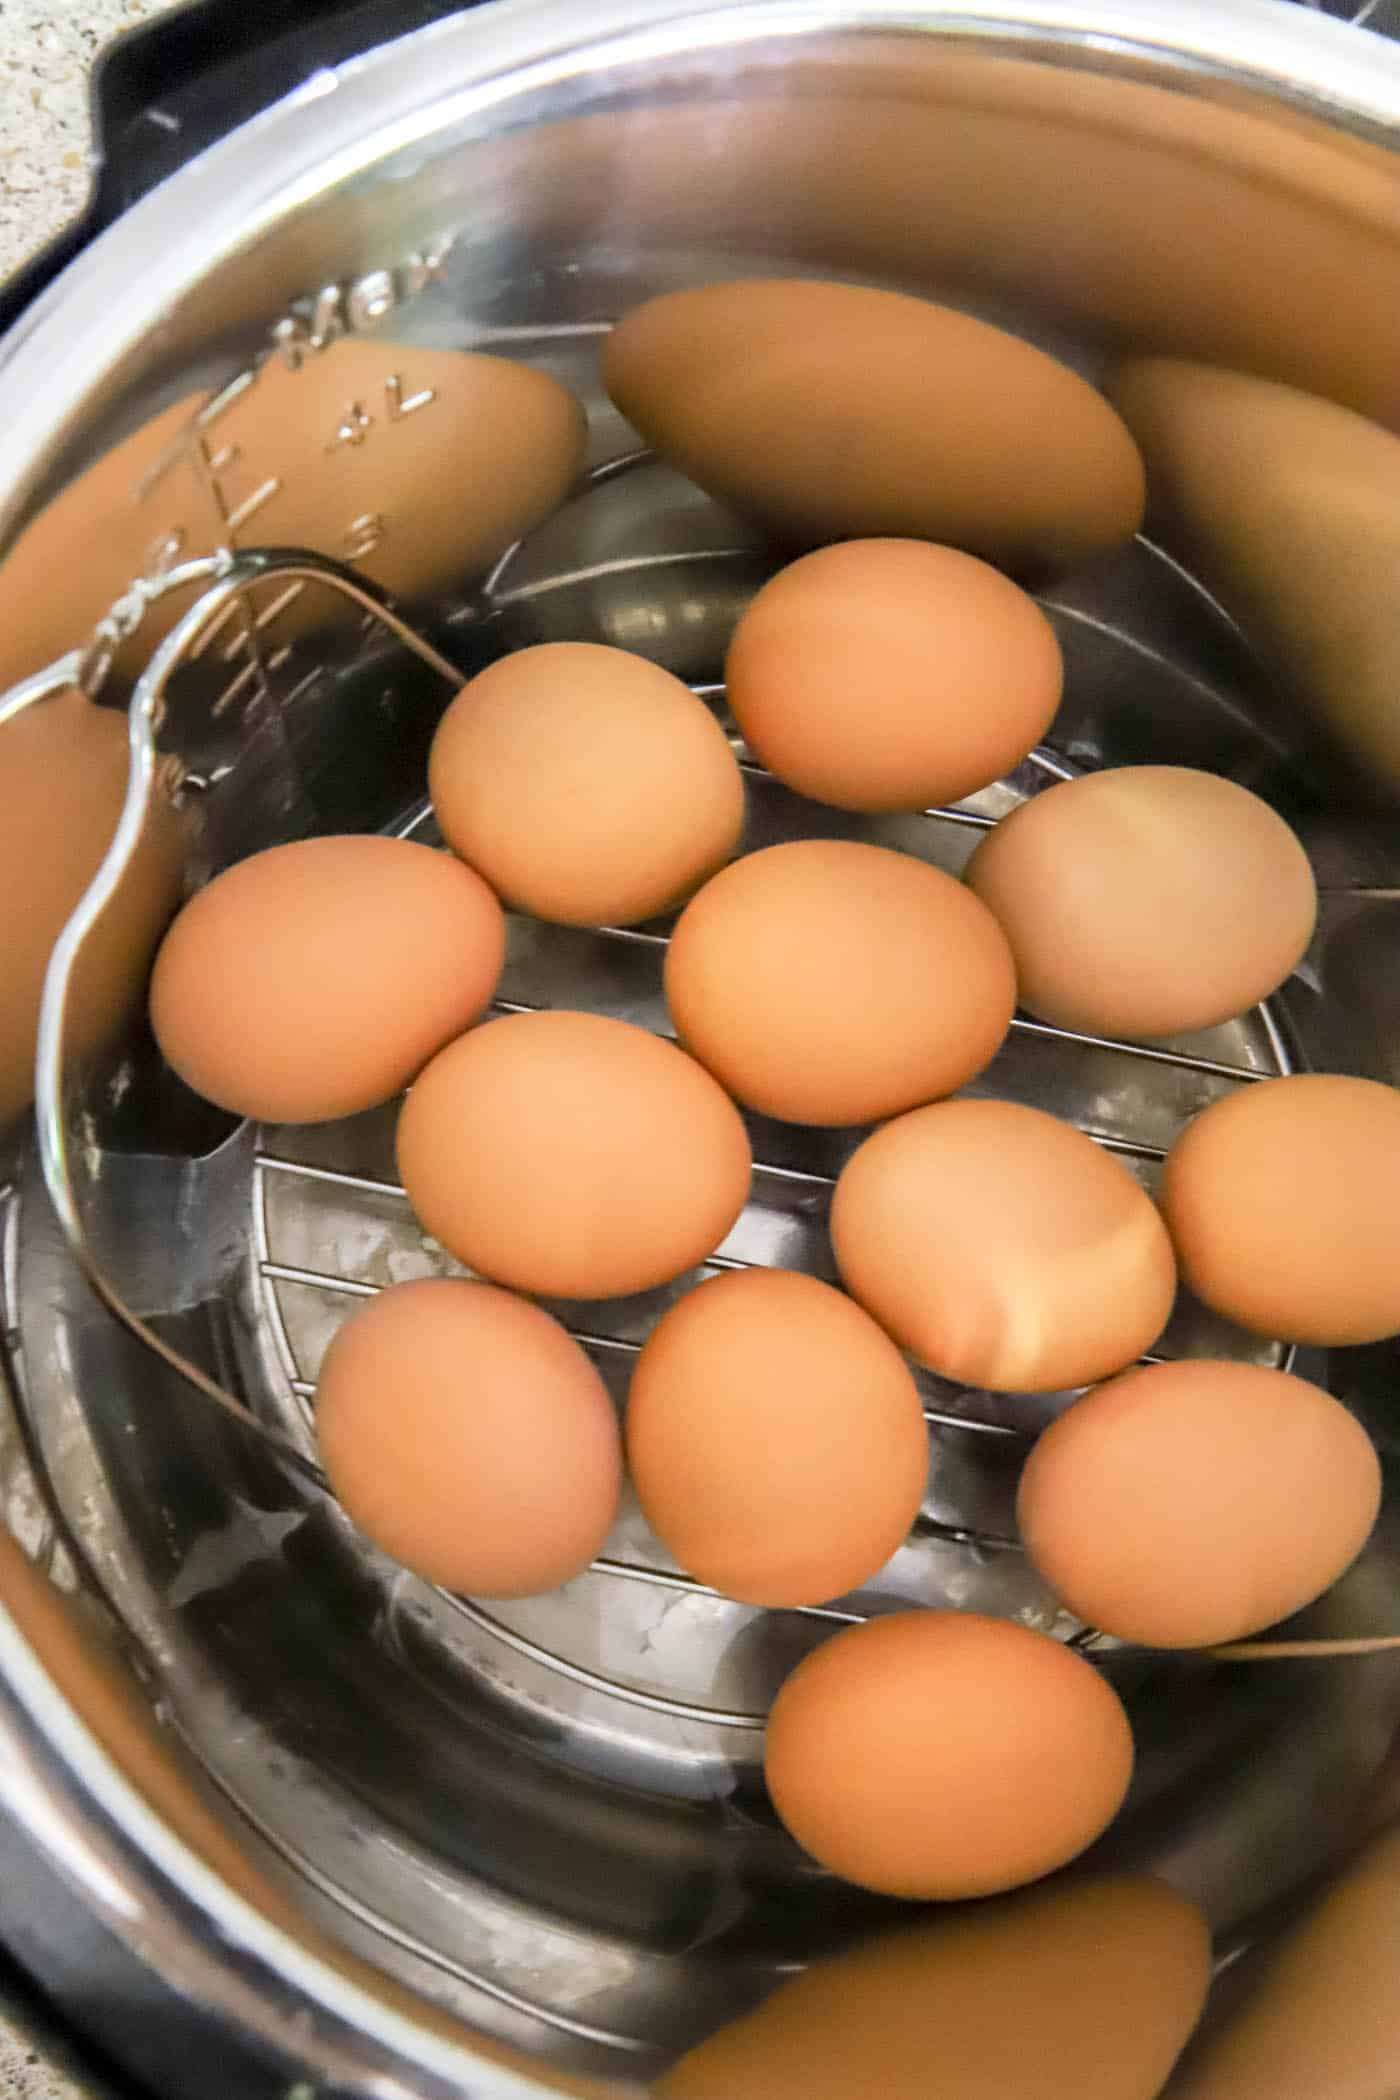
x: 278, y: 1819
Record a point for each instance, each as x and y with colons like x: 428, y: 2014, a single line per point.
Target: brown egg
x: 1282, y: 1199
x: 585, y: 784
x: 470, y: 1436
x: 1106, y: 1978
x: 890, y: 674
x: 1289, y: 509
x: 1190, y: 1503
x: 420, y: 466
x: 315, y: 979
x: 826, y: 982
x: 1001, y: 1247
x: 1146, y: 900
x: 829, y: 411
x: 1322, y: 2022
x: 775, y: 1438
x: 63, y: 779
x: 942, y: 1754
x: 573, y: 1155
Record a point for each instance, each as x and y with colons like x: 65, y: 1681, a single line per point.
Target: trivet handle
x: 97, y: 972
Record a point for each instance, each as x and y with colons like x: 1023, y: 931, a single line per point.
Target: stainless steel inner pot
x: 547, y: 1818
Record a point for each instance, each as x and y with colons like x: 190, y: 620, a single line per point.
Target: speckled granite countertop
x: 46, y: 50
x: 36, y: 2062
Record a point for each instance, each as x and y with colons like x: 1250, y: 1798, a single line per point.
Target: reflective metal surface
x: 547, y: 1816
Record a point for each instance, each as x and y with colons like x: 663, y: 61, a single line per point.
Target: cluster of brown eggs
x: 774, y: 1431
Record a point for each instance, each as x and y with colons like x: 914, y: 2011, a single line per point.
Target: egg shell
x: 775, y: 1438
x: 418, y: 465
x: 1146, y: 900
x: 1001, y: 1247
x: 829, y: 411
x: 1282, y: 1200
x: 1106, y: 1979
x: 943, y: 1754
x: 831, y: 983
x: 470, y: 1437
x: 891, y: 674
x: 572, y: 1155
x: 586, y: 784
x: 1189, y: 1503
x: 315, y: 979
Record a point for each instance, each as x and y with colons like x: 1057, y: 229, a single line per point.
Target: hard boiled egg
x: 1146, y: 900
x: 943, y: 1754
x: 315, y: 979
x: 830, y: 411
x: 1282, y: 1199
x: 1002, y: 1247
x: 1186, y: 1504
x: 775, y: 1438
x: 572, y: 1155
x: 828, y: 982
x: 586, y: 784
x: 470, y: 1436
x: 890, y: 674
x: 1107, y: 1979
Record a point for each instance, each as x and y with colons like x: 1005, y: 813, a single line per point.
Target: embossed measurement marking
x: 233, y: 497
x: 357, y: 421
x: 355, y: 304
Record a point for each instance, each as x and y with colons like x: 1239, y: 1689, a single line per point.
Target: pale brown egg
x: 1288, y: 507
x: 1002, y: 1247
x: 1322, y: 2020
x: 470, y: 1437
x: 420, y: 466
x: 573, y: 1155
x: 775, y: 1438
x: 942, y: 1754
x: 1146, y: 900
x: 827, y: 982
x: 891, y: 674
x: 315, y: 979
x: 586, y: 784
x: 1282, y: 1200
x: 1107, y: 1979
x: 1191, y: 1503
x: 829, y: 411
x: 63, y: 779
